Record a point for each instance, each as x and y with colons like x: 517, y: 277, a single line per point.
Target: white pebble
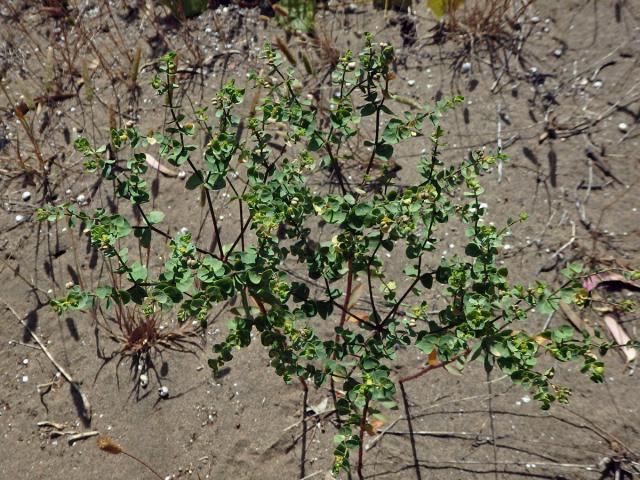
x: 163, y: 392
x: 466, y: 67
x: 184, y: 230
x: 25, y: 361
x: 623, y: 127
x: 144, y: 380
x: 25, y: 378
x: 557, y: 52
x: 20, y: 218
x: 411, y: 83
x: 81, y: 198
x: 26, y: 196
x: 526, y: 399
x: 597, y: 84
x: 535, y: 19
x: 182, y: 174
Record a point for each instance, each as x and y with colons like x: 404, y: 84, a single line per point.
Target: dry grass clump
x: 141, y: 338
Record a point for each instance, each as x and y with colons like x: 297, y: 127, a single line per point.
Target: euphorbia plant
x: 482, y: 315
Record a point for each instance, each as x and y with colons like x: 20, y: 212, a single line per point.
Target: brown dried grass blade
x: 153, y: 163
x: 621, y: 337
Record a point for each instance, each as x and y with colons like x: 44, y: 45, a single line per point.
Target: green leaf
x: 384, y: 150
x: 138, y: 272
x: 138, y: 294
x: 194, y: 181
x: 562, y: 334
x: 426, y: 343
x: 103, y: 291
x: 155, y: 217
x: 499, y: 350
x: 426, y: 280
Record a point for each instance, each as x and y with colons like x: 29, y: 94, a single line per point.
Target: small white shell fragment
x: 25, y: 361
x: 20, y: 218
x: 25, y: 378
x: 182, y: 174
x: 411, y: 83
x: 144, y: 380
x: 557, y: 52
x: 526, y: 399
x: 535, y: 19
x: 597, y: 84
x: 623, y: 127
x: 81, y: 198
x: 26, y: 195
x: 184, y: 230
x: 466, y: 67
x: 163, y: 392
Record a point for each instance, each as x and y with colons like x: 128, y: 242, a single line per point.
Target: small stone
x: 623, y: 127
x: 20, y: 218
x: 557, y: 52
x: 144, y: 380
x: 466, y: 67
x: 25, y: 361
x: 81, y: 198
x: 411, y: 83
x: 597, y: 84
x: 26, y: 196
x: 184, y: 231
x: 535, y: 19
x: 163, y: 392
x: 526, y: 399
x: 182, y: 174
x: 25, y: 378
x: 69, y: 285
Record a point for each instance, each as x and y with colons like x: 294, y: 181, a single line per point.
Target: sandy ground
x: 577, y: 80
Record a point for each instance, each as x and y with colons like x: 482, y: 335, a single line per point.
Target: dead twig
x: 86, y: 412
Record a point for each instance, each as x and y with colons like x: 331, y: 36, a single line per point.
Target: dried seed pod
x: 108, y: 445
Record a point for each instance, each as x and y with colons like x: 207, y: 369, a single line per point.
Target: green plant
x: 298, y: 15
x: 482, y: 318
x: 182, y: 9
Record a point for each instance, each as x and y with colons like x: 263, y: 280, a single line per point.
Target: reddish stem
x: 363, y: 428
